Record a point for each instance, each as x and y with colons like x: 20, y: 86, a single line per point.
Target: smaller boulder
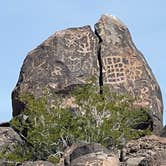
x: 97, y: 159
x: 8, y: 139
x: 37, y: 163
x: 89, y: 154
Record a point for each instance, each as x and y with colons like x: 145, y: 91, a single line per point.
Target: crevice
x: 100, y: 63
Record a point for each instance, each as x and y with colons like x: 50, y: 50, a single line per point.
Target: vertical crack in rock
x: 100, y: 63
x: 124, y: 69
x: 70, y: 57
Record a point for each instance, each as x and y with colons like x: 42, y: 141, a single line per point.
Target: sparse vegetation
x: 106, y: 118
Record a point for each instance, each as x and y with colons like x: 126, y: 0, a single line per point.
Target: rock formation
x: 146, y: 151
x: 72, y: 56
x: 149, y: 150
x: 9, y: 139
x: 66, y: 59
x: 75, y: 56
x: 163, y: 132
x: 125, y: 69
x: 88, y: 154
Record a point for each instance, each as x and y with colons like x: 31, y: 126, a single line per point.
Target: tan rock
x: 111, y: 161
x: 37, y: 163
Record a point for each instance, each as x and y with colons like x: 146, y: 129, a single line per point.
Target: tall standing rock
x: 65, y: 59
x: 125, y: 69
x: 72, y: 56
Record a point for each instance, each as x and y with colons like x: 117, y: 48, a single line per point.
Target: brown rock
x: 150, y: 150
x: 163, y: 132
x: 89, y: 154
x: 125, y: 69
x: 65, y: 59
x: 37, y: 163
x: 93, y: 159
x: 77, y: 150
x: 8, y: 139
x: 71, y: 57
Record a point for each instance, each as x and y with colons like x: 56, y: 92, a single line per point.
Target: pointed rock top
x: 110, y: 29
x: 111, y: 19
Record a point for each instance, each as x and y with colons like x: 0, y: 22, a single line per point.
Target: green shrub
x: 105, y: 118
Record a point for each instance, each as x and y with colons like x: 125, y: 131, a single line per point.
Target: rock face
x: 88, y: 154
x: 66, y: 59
x: 163, y: 132
x: 146, y: 151
x: 125, y: 69
x: 72, y: 56
x: 8, y: 138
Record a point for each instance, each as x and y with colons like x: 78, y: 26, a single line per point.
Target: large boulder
x: 73, y: 56
x: 125, y: 69
x: 65, y: 59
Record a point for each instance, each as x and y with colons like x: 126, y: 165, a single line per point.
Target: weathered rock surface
x: 37, y: 163
x: 99, y: 159
x: 163, y: 132
x: 146, y: 151
x: 8, y: 138
x: 65, y: 59
x: 89, y: 154
x: 72, y: 56
x: 125, y: 69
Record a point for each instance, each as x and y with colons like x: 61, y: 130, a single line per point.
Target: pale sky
x: 25, y: 24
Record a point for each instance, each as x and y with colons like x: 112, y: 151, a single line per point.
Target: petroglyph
x: 119, y: 69
x: 125, y: 69
x: 73, y: 56
x: 114, y: 70
x: 57, y: 71
x: 66, y: 59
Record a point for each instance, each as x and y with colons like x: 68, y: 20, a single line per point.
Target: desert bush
x: 106, y: 118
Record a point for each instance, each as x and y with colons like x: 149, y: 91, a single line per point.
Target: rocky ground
x: 146, y: 151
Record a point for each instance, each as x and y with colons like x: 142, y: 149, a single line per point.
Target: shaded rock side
x: 149, y: 150
x: 125, y: 69
x: 65, y: 59
x: 163, y: 132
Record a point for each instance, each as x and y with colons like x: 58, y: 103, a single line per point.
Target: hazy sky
x: 24, y: 24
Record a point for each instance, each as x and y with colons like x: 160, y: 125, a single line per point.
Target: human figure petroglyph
x: 57, y: 71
